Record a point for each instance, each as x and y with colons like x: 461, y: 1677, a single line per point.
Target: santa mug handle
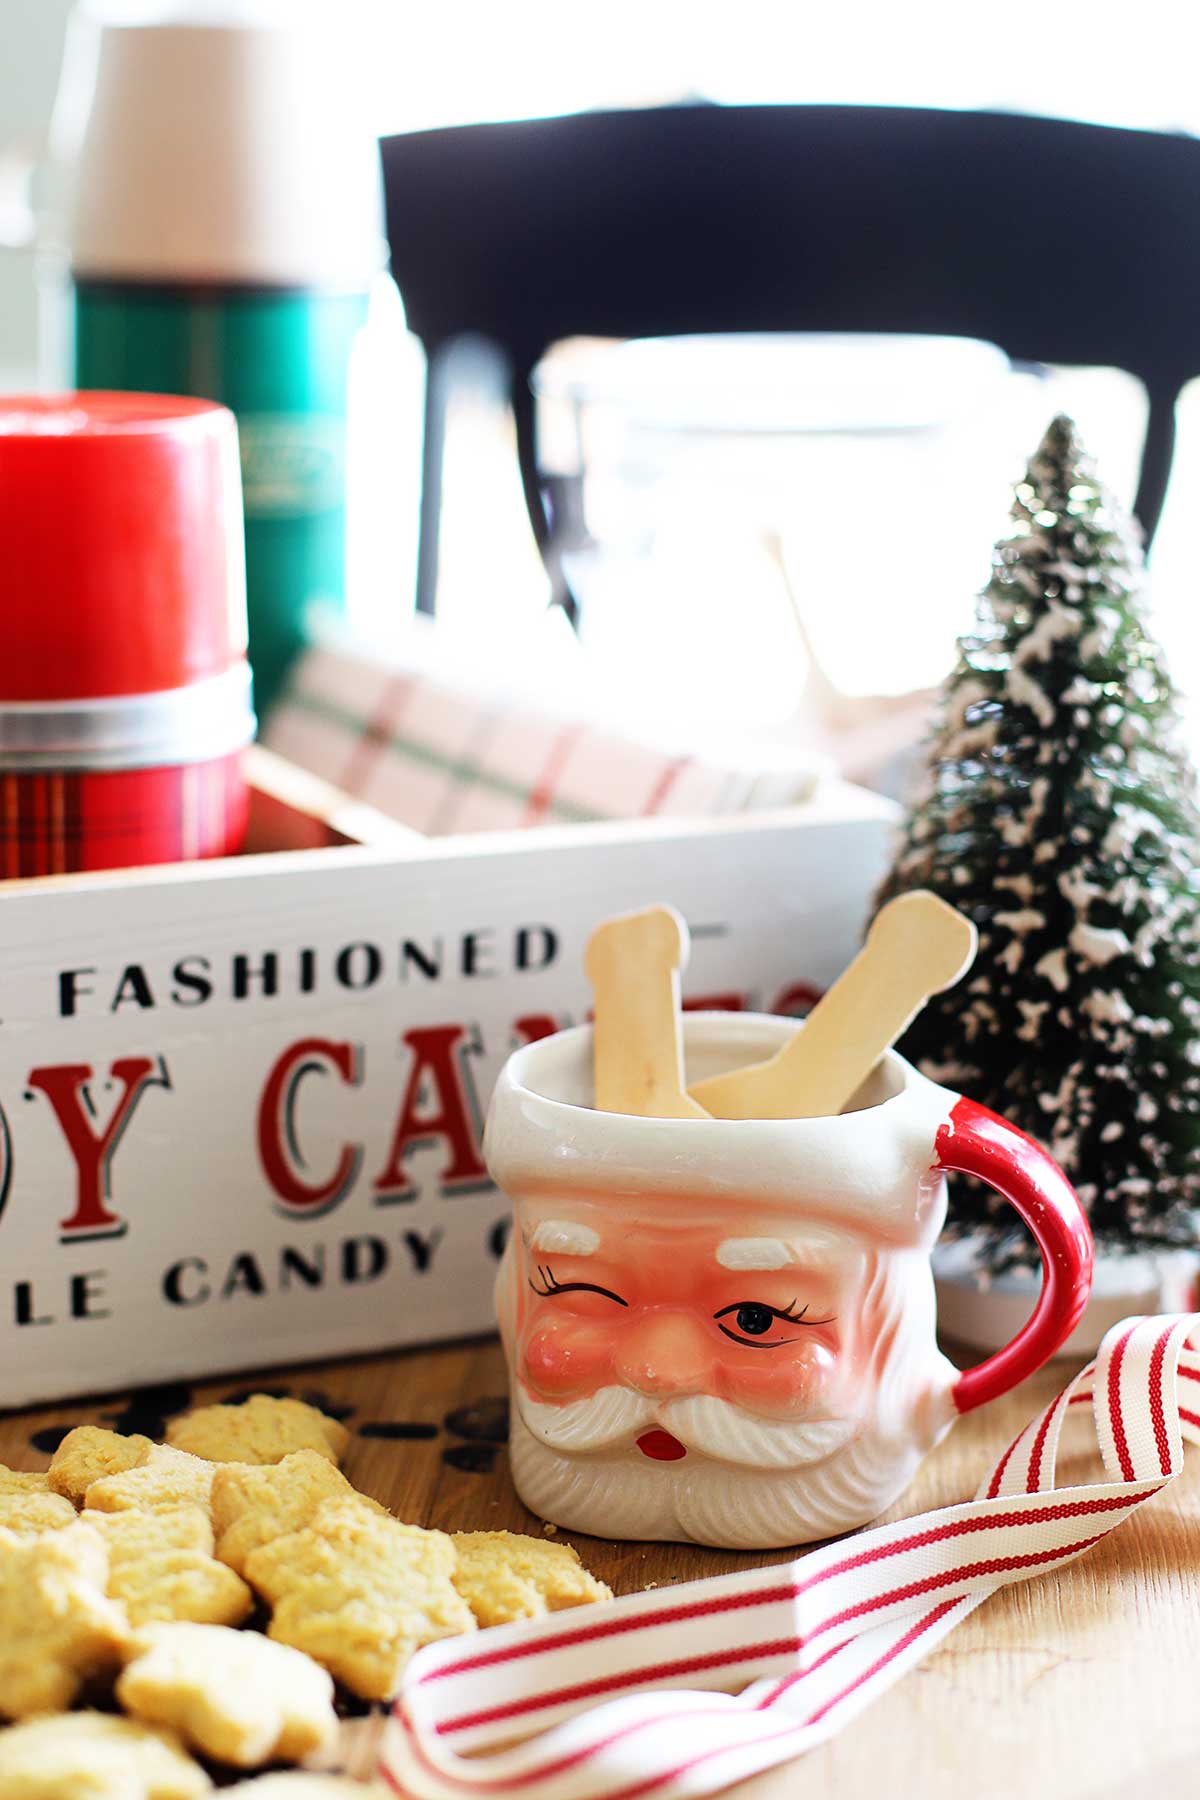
x: 974, y: 1141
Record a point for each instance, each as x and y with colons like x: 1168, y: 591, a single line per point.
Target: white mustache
x: 712, y: 1427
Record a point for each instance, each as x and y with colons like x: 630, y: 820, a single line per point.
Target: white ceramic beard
x: 699, y: 1499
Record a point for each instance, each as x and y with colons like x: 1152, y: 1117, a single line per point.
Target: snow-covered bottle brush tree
x: 1057, y: 811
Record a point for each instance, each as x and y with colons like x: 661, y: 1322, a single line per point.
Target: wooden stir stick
x: 633, y: 963
x: 917, y: 945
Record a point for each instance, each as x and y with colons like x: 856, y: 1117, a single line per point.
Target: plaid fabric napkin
x: 445, y: 750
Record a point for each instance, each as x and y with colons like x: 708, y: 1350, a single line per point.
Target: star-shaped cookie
x: 58, y: 1627
x: 234, y: 1695
x: 360, y: 1593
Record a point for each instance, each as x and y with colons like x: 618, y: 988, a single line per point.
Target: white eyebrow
x: 565, y: 1238
x: 754, y: 1253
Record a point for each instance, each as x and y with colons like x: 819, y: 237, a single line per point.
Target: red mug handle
x: 974, y: 1141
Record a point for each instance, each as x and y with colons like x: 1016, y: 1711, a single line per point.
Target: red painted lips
x: 661, y: 1446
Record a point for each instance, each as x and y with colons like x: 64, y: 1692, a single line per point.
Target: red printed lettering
x: 436, y: 1104
x: 66, y: 1089
x: 798, y: 999
x: 278, y: 1143
x: 530, y: 1027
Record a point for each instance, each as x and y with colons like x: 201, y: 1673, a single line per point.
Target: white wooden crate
x: 241, y: 1102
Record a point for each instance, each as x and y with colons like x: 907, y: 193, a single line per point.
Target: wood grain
x: 1079, y: 1684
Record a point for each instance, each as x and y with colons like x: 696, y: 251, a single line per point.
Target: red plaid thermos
x: 124, y: 687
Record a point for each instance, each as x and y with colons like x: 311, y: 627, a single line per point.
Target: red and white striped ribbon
x: 634, y: 1698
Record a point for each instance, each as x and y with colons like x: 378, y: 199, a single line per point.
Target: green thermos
x: 225, y: 233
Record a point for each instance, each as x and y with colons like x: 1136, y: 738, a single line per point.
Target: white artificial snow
x: 1106, y: 1006
x: 945, y: 1072
x: 1012, y: 955
x: 1049, y: 628
x: 1026, y: 692
x: 1098, y: 946
x: 1062, y: 1094
x: 1147, y: 1108
x: 1028, y: 919
x: 1065, y: 1146
x: 1054, y: 967
x: 971, y: 739
x: 1032, y: 1012
x: 1075, y: 887
x: 1021, y: 885
x: 1021, y: 574
x: 1101, y: 638
x: 1154, y: 931
x: 1129, y: 824
x: 1112, y: 1131
x: 1015, y: 832
x: 968, y: 693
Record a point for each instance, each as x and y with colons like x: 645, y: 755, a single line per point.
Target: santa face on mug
x: 725, y: 1375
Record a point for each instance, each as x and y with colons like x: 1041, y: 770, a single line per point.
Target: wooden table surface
x: 1082, y: 1683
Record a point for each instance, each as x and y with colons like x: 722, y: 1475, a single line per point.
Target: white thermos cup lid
x: 226, y: 152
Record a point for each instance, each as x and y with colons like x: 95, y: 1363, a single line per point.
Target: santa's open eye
x: 753, y: 1319
x: 546, y: 1285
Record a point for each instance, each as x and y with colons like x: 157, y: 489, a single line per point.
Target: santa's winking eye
x: 547, y: 1285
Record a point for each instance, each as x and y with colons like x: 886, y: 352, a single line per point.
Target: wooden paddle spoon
x: 916, y: 946
x: 633, y: 963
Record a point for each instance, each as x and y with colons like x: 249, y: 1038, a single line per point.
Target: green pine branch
x: 1057, y: 810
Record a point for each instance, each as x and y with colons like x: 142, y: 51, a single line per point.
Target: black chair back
x: 1060, y: 242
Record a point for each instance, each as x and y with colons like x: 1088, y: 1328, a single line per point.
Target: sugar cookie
x: 28, y: 1506
x: 234, y: 1695
x: 89, y: 1452
x: 161, y: 1566
x: 58, y: 1627
x: 163, y: 1480
x: 94, y: 1756
x: 253, y: 1504
x: 360, y: 1592
x: 261, y: 1430
x: 503, y: 1576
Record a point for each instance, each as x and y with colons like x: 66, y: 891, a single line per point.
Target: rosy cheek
x: 563, y: 1356
x: 780, y: 1382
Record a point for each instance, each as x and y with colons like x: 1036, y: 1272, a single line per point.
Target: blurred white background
x: 420, y: 66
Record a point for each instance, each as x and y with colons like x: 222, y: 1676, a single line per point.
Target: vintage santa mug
x: 723, y: 1330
